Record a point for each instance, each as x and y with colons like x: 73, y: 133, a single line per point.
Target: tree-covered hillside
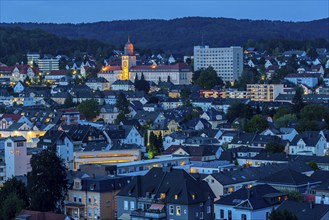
x: 180, y: 35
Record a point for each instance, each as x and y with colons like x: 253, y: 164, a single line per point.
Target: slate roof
x: 257, y: 196
x: 171, y: 182
x: 303, y: 211
x: 310, y: 138
x: 287, y: 177
x: 103, y: 183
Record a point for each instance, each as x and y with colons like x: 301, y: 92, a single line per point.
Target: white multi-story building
x: 48, y: 64
x: 32, y: 58
x: 16, y: 158
x: 264, y: 92
x: 228, y: 61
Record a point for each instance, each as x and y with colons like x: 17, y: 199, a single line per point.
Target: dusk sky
x: 75, y: 11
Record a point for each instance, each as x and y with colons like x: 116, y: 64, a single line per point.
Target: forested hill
x: 181, y: 34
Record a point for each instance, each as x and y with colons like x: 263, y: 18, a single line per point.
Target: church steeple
x: 129, y: 48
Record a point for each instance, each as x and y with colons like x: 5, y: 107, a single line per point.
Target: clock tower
x: 127, y: 60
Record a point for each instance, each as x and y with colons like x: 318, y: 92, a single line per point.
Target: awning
x: 155, y: 206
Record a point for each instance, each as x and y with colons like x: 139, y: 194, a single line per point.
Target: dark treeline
x: 181, y: 34
x: 16, y: 42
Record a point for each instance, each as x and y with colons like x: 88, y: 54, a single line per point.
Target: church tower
x: 127, y: 60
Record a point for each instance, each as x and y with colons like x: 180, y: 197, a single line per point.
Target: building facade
x: 228, y: 62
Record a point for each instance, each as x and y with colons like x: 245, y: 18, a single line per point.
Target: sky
x: 77, y: 11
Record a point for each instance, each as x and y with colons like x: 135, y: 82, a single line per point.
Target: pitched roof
x: 171, y: 182
x: 256, y: 196
x: 304, y: 211
x: 287, y: 177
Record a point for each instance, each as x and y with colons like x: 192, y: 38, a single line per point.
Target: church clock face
x: 124, y: 63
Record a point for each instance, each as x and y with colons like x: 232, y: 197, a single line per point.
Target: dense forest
x: 180, y: 35
x: 16, y: 42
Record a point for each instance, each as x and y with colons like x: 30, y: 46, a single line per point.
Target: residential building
x: 264, y: 92
x: 308, y: 143
x: 16, y: 158
x: 227, y: 62
x: 46, y: 65
x: 165, y: 193
x: 252, y: 203
x: 309, y: 79
x: 98, y: 83
x: 94, y: 197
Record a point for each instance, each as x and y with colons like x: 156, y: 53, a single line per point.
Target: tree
x: 141, y: 84
x: 285, y: 120
x: 313, y: 165
x: 11, y: 206
x: 275, y: 147
x: 208, y: 79
x: 122, y: 103
x: 278, y: 215
x: 281, y: 112
x: 89, y: 108
x: 68, y: 103
x: 312, y: 53
x: 257, y: 123
x: 297, y: 100
x: 248, y: 76
x: 168, y: 79
x: 47, y: 182
x: 237, y: 110
x: 121, y: 116
x: 152, y: 146
x: 12, y: 192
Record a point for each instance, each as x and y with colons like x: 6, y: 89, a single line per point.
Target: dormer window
x: 162, y: 196
x: 77, y: 184
x: 176, y: 196
x: 193, y: 196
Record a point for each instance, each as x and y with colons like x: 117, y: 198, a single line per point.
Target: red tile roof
x: 14, y: 117
x: 176, y: 67
x: 59, y: 72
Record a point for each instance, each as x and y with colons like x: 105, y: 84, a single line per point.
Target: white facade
x: 237, y: 213
x: 302, y: 149
x: 48, y: 64
x: 228, y: 62
x: 65, y: 151
x: 16, y: 158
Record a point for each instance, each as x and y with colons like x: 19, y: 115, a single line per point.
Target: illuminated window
x: 162, y: 195
x: 176, y: 196
x: 193, y: 196
x: 178, y: 211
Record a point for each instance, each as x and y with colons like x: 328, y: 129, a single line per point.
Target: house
x: 305, y: 211
x: 214, y: 117
x: 320, y: 193
x: 123, y: 85
x: 175, y: 138
x: 19, y: 87
x: 108, y: 113
x: 309, y: 79
x: 289, y: 180
x: 94, y: 197
x: 61, y: 143
x: 100, y: 84
x: 308, y: 143
x: 252, y: 203
x: 197, y: 153
x: 119, y: 135
x: 165, y: 193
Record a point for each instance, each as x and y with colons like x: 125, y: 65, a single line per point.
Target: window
x: 89, y: 212
x: 95, y: 213
x: 208, y: 209
x: 243, y: 217
x: 9, y: 144
x: 125, y: 205
x: 95, y: 199
x: 171, y: 210
x: 74, y: 198
x: 221, y: 213
x: 178, y: 211
x: 132, y: 205
x: 89, y: 199
x: 229, y: 213
x: 201, y: 215
x: 80, y: 199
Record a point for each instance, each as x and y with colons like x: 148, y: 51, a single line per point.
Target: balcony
x: 156, y: 211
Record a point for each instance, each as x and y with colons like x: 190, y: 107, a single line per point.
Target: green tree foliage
x: 123, y: 105
x: 239, y: 110
x: 297, y: 100
x: 281, y: 112
x: 16, y: 42
x: 141, y: 84
x: 89, y: 108
x: 11, y: 207
x: 275, y: 147
x: 248, y: 76
x: 312, y: 53
x: 152, y: 147
x: 257, y: 123
x: 285, y: 120
x: 313, y: 117
x: 185, y: 95
x: 68, y: 103
x: 285, y: 215
x: 13, y: 198
x: 208, y: 79
x: 313, y: 165
x: 47, y: 183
